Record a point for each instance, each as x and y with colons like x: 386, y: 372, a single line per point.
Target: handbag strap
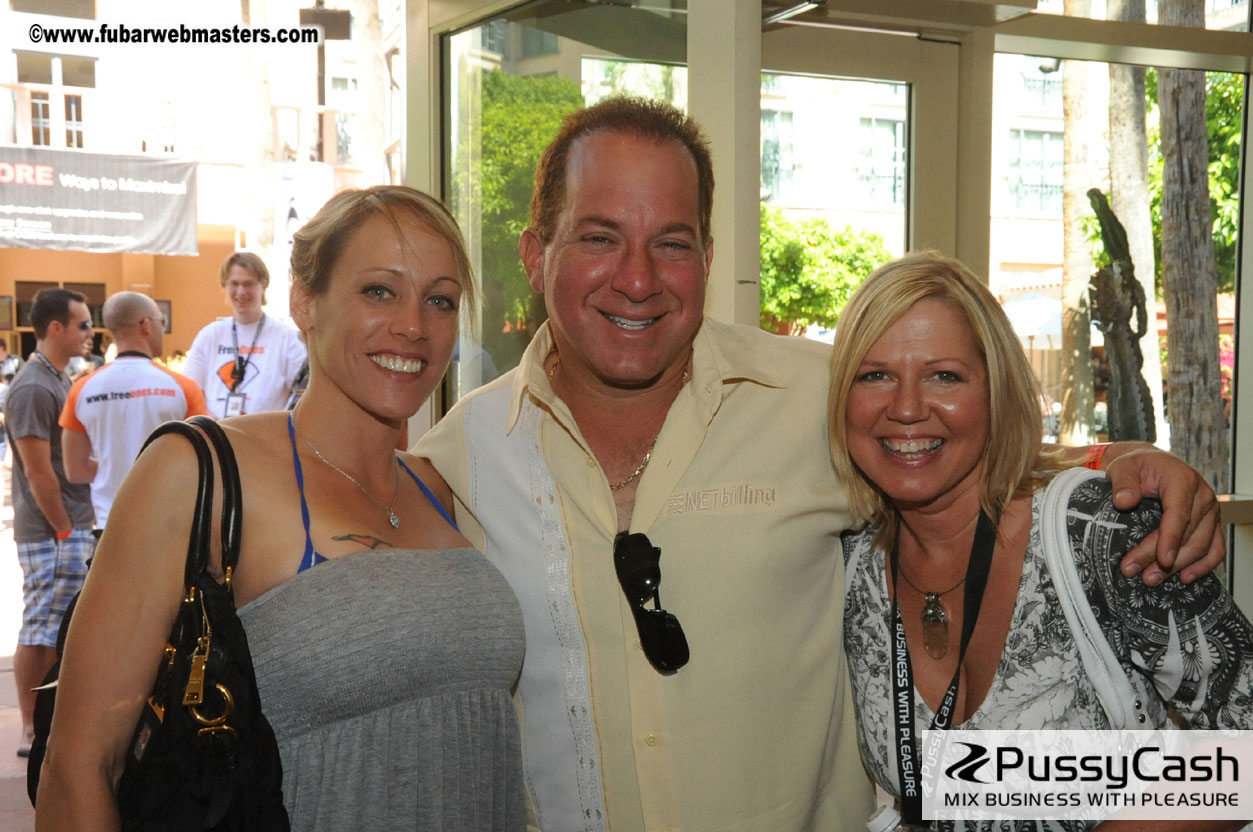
x: 201, y: 523
x: 1099, y: 662
x: 232, y: 493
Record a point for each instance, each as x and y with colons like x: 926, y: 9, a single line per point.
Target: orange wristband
x: 1092, y: 459
x: 63, y: 535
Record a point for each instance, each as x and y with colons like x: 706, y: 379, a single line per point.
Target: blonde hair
x: 1014, y: 418
x: 317, y: 245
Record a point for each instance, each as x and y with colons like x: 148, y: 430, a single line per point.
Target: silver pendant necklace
x: 391, y: 515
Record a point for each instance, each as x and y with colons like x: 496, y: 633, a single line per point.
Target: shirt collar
x: 720, y: 354
x: 532, y: 379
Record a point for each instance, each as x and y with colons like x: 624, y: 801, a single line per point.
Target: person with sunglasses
x: 245, y: 363
x: 641, y: 444
x: 52, y: 516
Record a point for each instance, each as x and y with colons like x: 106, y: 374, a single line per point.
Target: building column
x: 724, y: 96
x: 1240, y: 510
x: 422, y: 143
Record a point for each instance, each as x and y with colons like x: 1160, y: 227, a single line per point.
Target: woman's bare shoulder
x: 430, y: 477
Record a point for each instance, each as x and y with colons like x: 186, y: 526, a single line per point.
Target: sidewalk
x: 16, y: 814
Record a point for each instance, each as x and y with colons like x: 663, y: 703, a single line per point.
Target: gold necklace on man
x: 648, y: 454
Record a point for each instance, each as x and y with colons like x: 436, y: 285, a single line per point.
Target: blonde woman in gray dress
x: 385, y: 647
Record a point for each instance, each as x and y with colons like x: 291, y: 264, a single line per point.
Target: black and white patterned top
x: 1190, y: 643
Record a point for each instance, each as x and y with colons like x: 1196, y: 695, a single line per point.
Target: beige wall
x: 189, y: 283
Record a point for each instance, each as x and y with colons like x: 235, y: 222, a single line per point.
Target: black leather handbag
x: 203, y: 755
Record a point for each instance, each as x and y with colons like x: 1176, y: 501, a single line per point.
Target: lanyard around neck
x: 907, y: 762
x: 240, y: 369
x: 61, y: 377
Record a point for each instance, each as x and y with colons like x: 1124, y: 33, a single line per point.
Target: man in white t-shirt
x: 245, y: 363
x: 108, y: 414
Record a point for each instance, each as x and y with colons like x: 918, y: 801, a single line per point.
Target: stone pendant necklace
x: 934, y: 618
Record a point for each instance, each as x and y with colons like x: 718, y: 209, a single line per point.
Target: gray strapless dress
x: 387, y: 678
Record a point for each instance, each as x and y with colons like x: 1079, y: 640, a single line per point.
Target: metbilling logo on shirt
x: 722, y: 497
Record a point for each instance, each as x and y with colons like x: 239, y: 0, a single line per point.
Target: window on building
x: 73, y: 121
x: 85, y: 9
x: 343, y: 137
x: 537, y: 42
x: 494, y: 36
x: 40, y: 119
x: 78, y: 72
x: 40, y: 68
x: 817, y: 161
x: 1042, y: 84
x: 882, y: 172
x: 34, y: 68
x: 94, y: 294
x: 1035, y: 171
x: 344, y: 99
x: 25, y: 291
x: 777, y: 160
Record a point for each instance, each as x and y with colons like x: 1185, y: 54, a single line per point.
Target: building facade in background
x: 268, y: 131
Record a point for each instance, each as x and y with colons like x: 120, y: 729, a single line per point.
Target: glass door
x: 508, y: 83
x: 853, y: 125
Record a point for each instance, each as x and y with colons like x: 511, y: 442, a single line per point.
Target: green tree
x: 1224, y: 105
x: 653, y: 81
x: 520, y: 116
x: 808, y: 270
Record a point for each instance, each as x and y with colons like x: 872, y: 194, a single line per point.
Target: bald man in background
x: 108, y: 414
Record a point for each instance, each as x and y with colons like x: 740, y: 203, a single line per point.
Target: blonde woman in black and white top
x: 937, y: 436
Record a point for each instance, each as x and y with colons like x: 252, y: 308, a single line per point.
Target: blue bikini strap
x: 438, y: 505
x: 311, y: 558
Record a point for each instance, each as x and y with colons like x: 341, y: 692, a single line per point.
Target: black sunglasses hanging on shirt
x: 638, y: 564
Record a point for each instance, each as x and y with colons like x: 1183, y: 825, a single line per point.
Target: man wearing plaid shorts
x: 52, y: 517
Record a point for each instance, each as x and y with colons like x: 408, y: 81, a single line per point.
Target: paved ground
x: 16, y: 814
